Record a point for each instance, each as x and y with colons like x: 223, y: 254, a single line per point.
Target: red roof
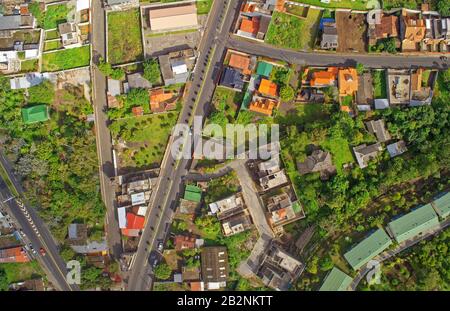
x: 250, y: 25
x: 135, y: 222
x: 138, y: 111
x: 184, y: 242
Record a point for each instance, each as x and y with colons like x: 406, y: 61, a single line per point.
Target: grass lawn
x: 146, y: 138
x: 340, y: 149
x: 66, y: 59
x: 55, y: 15
x: 288, y: 31
x: 379, y: 84
x: 51, y: 34
x: 29, y: 65
x: 303, y: 114
x: 52, y: 45
x: 280, y: 75
x: 227, y: 101
x: 203, y: 6
x: 347, y: 4
x: 16, y: 272
x: 124, y: 37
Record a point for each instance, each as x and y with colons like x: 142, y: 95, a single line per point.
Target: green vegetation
x: 108, y: 71
x: 203, y: 6
x: 163, y: 271
x: 379, y: 84
x: 146, y: 138
x: 51, y: 34
x: 17, y: 272
x: 52, y: 17
x: 56, y: 160
x: 66, y: 59
x: 385, y: 45
x: 29, y: 65
x: 409, y: 4
x: 346, y: 4
x: 287, y: 93
x: 222, y: 187
x: 124, y: 37
x: 443, y: 7
x: 152, y: 72
x: 226, y: 104
x: 289, y: 31
x: 52, y: 45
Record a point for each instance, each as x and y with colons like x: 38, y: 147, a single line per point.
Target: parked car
x: 42, y: 251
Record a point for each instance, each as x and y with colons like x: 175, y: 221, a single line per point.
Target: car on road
x: 32, y: 249
x: 160, y: 246
x: 42, y: 252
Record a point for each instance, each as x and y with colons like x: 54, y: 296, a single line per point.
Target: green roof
x: 442, y: 205
x: 336, y: 280
x: 246, y: 100
x: 264, y: 69
x: 414, y: 223
x: 35, y: 114
x: 368, y: 249
x: 193, y: 193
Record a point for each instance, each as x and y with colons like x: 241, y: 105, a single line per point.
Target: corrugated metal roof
x: 368, y: 249
x: 35, y: 114
x: 336, y: 280
x: 414, y: 223
x: 193, y: 193
x: 264, y: 69
x: 442, y: 205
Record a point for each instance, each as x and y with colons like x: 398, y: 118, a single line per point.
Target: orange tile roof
x: 323, y: 78
x: 348, y: 81
x: 250, y: 25
x: 239, y: 61
x: 268, y: 87
x: 135, y: 222
x: 13, y: 254
x: 137, y: 111
x: 264, y: 106
x: 248, y: 8
x: 196, y: 286
x: 157, y: 97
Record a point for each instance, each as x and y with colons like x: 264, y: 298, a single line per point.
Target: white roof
x: 114, y: 87
x: 26, y: 81
x: 179, y: 68
x: 31, y: 53
x: 213, y: 285
x: 381, y: 103
x: 214, y: 208
x: 121, y: 212
x: 142, y: 210
x: 138, y: 198
x: 82, y: 5
x: 7, y: 55
x: 363, y: 107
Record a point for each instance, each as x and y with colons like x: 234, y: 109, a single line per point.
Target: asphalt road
x: 212, y: 48
x: 104, y: 143
x: 327, y: 59
x: 35, y: 231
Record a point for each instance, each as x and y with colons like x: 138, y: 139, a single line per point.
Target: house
x: 310, y: 95
x: 412, y: 31
x: 318, y: 161
x: 240, y: 62
x: 268, y: 88
x: 26, y: 81
x: 236, y: 224
x: 378, y: 128
x: 190, y: 274
x: 397, y: 148
x: 249, y: 26
x: 114, y: 87
x: 278, y: 269
x: 175, y: 66
x: 322, y: 78
x: 14, y: 22
x: 364, y: 153
x: 269, y: 167
x: 228, y: 206
x: 69, y: 34
x: 263, y: 27
x: 329, y: 37
x: 273, y: 180
x: 34, y: 114
x: 137, y: 81
x: 367, y: 249
x: 193, y: 193
x: 13, y: 254
x: 135, y: 224
x: 282, y: 209
x: 232, y: 79
x: 441, y: 205
x: 197, y: 286
x: 166, y: 18
x: 335, y: 281
x: 264, y: 69
x: 417, y: 222
x: 399, y: 86
x: 347, y: 81
x: 215, y: 267
x: 35, y: 285
x: 382, y: 26
x: 161, y: 100
x: 263, y: 105
x: 77, y: 234
x: 93, y: 248
x: 381, y: 103
x: 137, y: 111
x: 182, y: 242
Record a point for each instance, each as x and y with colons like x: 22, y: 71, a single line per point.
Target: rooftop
x: 268, y: 87
x: 241, y: 62
x: 442, y: 205
x: 193, y: 193
x: 348, y: 81
x: 378, y: 128
x: 336, y: 280
x: 34, y: 114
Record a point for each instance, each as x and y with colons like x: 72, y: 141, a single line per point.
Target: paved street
x: 170, y: 186
x: 104, y: 144
x: 52, y: 262
x: 327, y: 59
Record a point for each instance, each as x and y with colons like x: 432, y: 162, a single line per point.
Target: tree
x: 4, y: 284
x: 287, y: 93
x: 43, y: 93
x: 443, y: 7
x: 107, y: 70
x: 151, y: 71
x: 163, y: 271
x: 360, y: 68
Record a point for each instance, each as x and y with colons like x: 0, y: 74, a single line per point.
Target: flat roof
x: 179, y: 16
x: 412, y: 224
x: 193, y: 193
x: 367, y: 249
x: 35, y: 114
x: 336, y: 280
x: 442, y: 205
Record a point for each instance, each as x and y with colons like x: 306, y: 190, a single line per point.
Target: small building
x: 182, y: 242
x: 232, y: 79
x: 273, y: 180
x: 77, y: 234
x: 329, y: 37
x: 412, y: 31
x: 228, y: 206
x: 193, y: 193
x: 161, y: 100
x: 367, y: 249
x: 240, y: 62
x: 197, y: 286
x: 268, y: 88
x: 34, y: 114
x: 378, y: 128
x: 15, y: 22
x: 215, y: 267
x: 13, y: 254
x: 415, y: 223
x: 322, y: 78
x: 264, y: 69
x: 441, y: 205
x: 397, y: 148
x: 249, y: 26
x: 283, y: 208
x: 135, y: 224
x: 236, y: 224
x: 347, y: 81
x: 26, y: 81
x: 179, y: 16
x: 263, y: 106
x: 174, y: 66
x: 69, y: 34
x: 381, y: 103
x: 335, y: 281
x: 114, y: 87
x: 318, y: 161
x: 137, y: 81
x: 364, y: 153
